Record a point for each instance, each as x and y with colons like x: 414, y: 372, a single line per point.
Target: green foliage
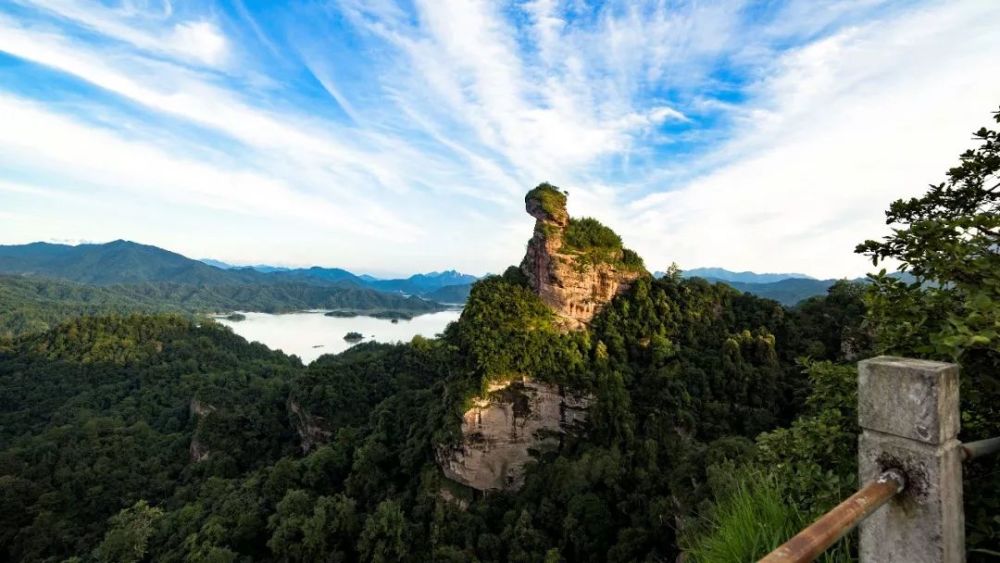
x: 588, y: 233
x: 505, y: 330
x: 631, y: 260
x: 815, y: 459
x: 96, y: 415
x: 594, y: 243
x: 949, y: 239
x: 746, y: 523
x: 128, y: 537
x: 549, y: 198
x: 829, y: 327
x: 699, y: 415
x: 750, y: 519
x: 118, y: 407
x: 793, y: 476
x: 383, y: 538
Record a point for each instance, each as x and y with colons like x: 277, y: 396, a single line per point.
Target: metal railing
x: 894, y: 527
x: 821, y: 534
x: 982, y: 448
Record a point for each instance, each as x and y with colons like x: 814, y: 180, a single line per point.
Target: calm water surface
x: 309, y: 335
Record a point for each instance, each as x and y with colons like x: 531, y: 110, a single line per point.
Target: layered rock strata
x: 574, y: 289
x: 503, y: 428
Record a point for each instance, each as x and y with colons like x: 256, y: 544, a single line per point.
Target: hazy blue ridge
x: 723, y: 274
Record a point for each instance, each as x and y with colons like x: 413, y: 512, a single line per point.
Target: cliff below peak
x: 504, y: 427
x: 576, y: 266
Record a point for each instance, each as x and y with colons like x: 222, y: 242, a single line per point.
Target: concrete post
x: 909, y: 416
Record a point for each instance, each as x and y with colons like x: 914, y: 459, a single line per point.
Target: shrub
x: 588, y: 233
x: 549, y: 197
x: 750, y: 519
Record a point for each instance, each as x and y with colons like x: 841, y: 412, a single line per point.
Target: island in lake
x: 354, y: 336
x: 341, y: 314
x: 393, y: 315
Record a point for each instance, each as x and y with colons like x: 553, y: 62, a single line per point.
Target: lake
x: 309, y: 334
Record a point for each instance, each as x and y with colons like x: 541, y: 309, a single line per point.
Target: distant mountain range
x: 49, y: 283
x: 125, y: 262
x: 129, y: 263
x: 787, y: 289
x: 118, y: 262
x: 725, y: 275
x: 417, y: 284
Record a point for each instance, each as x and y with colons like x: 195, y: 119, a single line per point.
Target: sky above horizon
x: 396, y: 137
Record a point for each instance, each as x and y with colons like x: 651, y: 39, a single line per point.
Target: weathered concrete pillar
x: 909, y: 415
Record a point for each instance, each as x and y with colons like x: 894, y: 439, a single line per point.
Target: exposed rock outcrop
x: 502, y: 429
x: 309, y: 428
x: 574, y: 287
x: 198, y: 451
x: 575, y: 267
x: 199, y: 408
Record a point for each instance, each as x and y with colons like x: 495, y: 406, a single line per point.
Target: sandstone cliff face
x: 576, y: 267
x: 309, y: 428
x: 576, y: 290
x: 501, y: 430
x: 198, y: 451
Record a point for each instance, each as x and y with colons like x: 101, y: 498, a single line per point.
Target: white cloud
x: 200, y: 40
x: 32, y: 135
x: 460, y: 106
x: 347, y: 159
x: 844, y: 126
x: 196, y: 41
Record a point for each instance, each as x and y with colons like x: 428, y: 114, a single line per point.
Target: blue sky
x: 394, y: 137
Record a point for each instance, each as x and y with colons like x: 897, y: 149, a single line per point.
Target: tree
x: 949, y: 239
x: 128, y: 538
x: 383, y: 536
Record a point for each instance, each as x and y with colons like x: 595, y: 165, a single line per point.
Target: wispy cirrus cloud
x: 398, y: 137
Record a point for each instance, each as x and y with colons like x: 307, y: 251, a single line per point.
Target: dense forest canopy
x: 598, y: 243
x: 713, y: 412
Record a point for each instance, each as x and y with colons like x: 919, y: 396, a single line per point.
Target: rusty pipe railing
x: 808, y: 544
x: 824, y: 532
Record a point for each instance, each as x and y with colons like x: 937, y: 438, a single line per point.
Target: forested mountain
x: 125, y: 262
x: 707, y: 421
x: 450, y: 293
x: 43, y: 284
x: 326, y: 274
x: 423, y: 283
x: 31, y: 304
x: 725, y: 275
x: 787, y: 292
x: 792, y: 291
x: 417, y: 284
x: 787, y: 289
x: 118, y: 262
x: 188, y: 439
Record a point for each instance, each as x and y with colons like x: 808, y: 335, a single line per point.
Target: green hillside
x: 31, y: 304
x: 717, y: 422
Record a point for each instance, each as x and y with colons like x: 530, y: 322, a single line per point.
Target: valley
x: 480, y: 281
x: 577, y: 408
